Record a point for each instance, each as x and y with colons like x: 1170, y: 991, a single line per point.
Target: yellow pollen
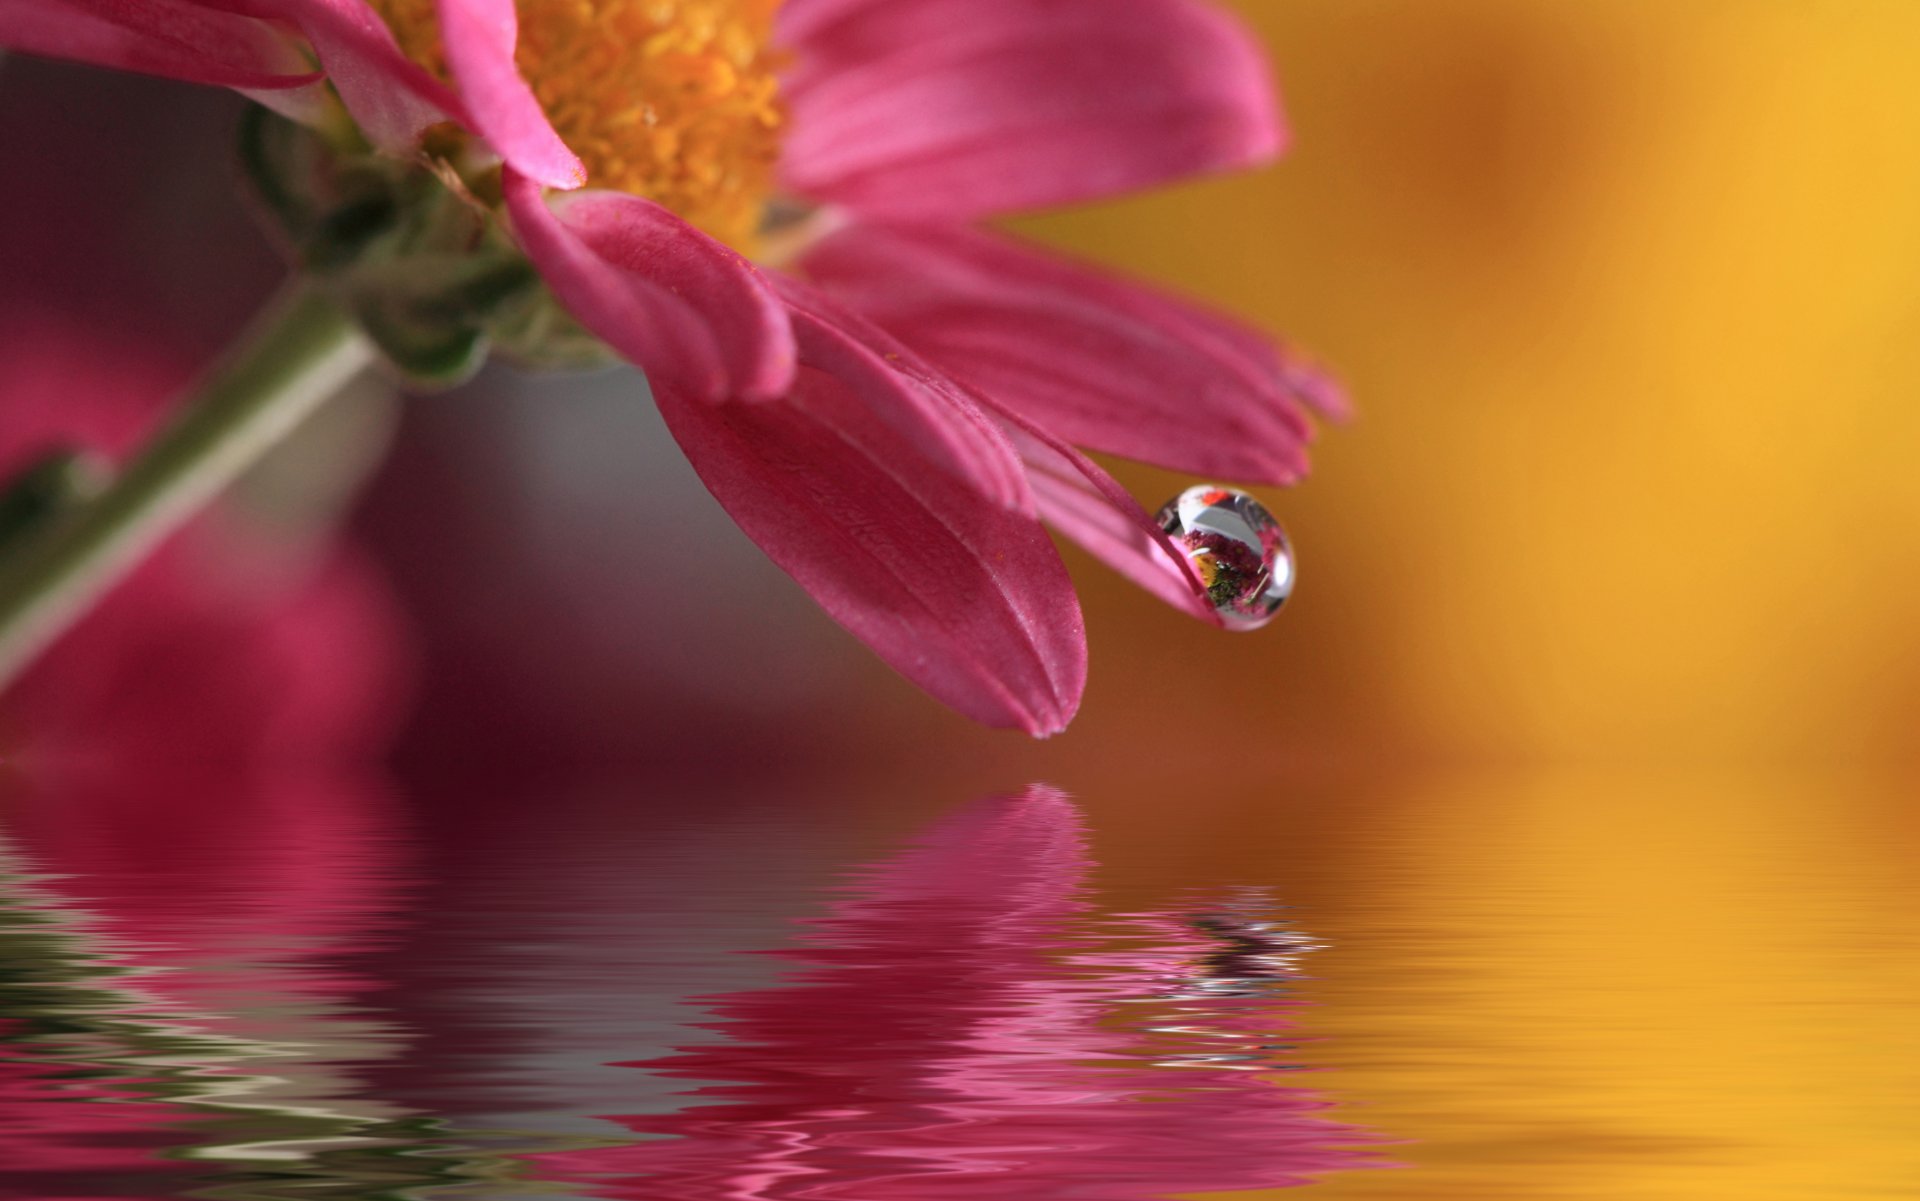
x: 674, y: 100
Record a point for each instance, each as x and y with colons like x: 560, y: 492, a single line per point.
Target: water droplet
x: 1238, y: 550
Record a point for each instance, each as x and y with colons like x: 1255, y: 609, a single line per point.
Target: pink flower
x: 892, y: 417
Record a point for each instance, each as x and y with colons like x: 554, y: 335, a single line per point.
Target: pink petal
x: 1100, y: 361
x: 172, y: 38
x: 1096, y: 512
x: 942, y: 422
x: 966, y: 599
x: 1107, y: 532
x: 479, y: 36
x: 392, y: 98
x: 266, y: 9
x: 694, y: 315
x: 959, y: 109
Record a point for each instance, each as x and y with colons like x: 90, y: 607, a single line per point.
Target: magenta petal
x: 479, y: 36
x: 941, y: 421
x: 391, y: 97
x: 803, y: 22
x: 963, y: 597
x: 695, y: 316
x: 1078, y: 498
x: 1100, y: 361
x: 268, y: 9
x: 1108, y: 532
x: 960, y: 109
x: 172, y: 38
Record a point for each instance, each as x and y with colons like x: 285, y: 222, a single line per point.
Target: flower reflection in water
x: 191, y: 1020
x: 204, y: 988
x: 965, y: 1025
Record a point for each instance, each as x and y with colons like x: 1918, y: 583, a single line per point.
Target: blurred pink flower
x: 200, y: 669
x: 223, y: 665
x: 207, y: 715
x: 891, y: 421
x: 196, y: 672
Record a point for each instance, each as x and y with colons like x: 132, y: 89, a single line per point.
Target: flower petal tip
x: 773, y: 383
x: 1321, y: 390
x: 1052, y: 729
x: 480, y: 37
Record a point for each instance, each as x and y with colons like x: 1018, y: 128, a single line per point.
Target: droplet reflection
x: 1237, y: 548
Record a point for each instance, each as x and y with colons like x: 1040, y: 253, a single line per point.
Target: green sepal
x: 352, y: 228
x: 409, y: 249
x: 281, y: 158
x: 430, y: 314
x: 535, y: 333
x: 48, y: 488
x: 331, y: 201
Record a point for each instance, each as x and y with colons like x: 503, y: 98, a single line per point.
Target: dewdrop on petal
x: 1238, y: 550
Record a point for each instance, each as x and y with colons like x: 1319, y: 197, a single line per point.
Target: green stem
x: 300, y: 355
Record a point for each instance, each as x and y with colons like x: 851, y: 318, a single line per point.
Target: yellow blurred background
x: 1628, y: 292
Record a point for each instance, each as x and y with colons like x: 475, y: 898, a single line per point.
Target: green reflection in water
x: 94, y: 1051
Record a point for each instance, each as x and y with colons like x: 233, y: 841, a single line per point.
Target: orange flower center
x: 674, y: 100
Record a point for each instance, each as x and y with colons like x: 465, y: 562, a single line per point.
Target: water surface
x: 1528, y: 987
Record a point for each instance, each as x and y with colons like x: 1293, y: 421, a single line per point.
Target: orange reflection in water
x: 1630, y: 988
